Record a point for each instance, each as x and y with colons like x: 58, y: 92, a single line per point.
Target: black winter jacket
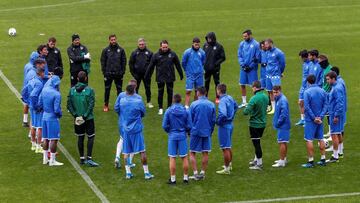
x: 76, y: 57
x: 139, y: 61
x: 214, y: 52
x: 53, y: 59
x: 113, y: 61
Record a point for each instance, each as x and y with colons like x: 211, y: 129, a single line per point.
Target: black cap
x: 75, y: 36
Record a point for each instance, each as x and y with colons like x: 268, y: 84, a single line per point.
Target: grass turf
x: 329, y: 26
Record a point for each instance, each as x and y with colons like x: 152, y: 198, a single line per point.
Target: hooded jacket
x: 176, y: 122
x: 81, y: 101
x: 139, y: 61
x: 275, y: 62
x: 315, y: 102
x: 227, y: 111
x: 249, y: 54
x: 281, y: 119
x: 203, y: 117
x: 132, y: 109
x: 53, y: 59
x: 317, y: 71
x: 113, y: 60
x: 31, y: 92
x: 50, y: 99
x: 76, y: 57
x: 343, y: 85
x: 164, y: 63
x: 336, y: 100
x: 215, y: 54
x: 193, y: 62
x: 30, y: 66
x: 305, y: 73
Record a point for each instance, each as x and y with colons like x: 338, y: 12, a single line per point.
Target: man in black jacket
x: 79, y: 58
x: 138, y: 63
x: 53, y: 59
x: 164, y: 60
x: 113, y: 66
x: 215, y: 55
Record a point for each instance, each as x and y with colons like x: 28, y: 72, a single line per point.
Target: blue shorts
x: 194, y: 81
x: 337, y: 128
x: 225, y: 136
x: 133, y: 144
x: 200, y: 144
x: 313, y: 131
x: 283, y: 136
x: 272, y: 81
x: 36, y: 119
x: 263, y: 77
x: 51, y: 130
x: 177, y: 148
x: 301, y: 93
x: 247, y: 78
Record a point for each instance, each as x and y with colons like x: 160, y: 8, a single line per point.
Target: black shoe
x: 82, y: 161
x: 322, y: 162
x: 186, y: 181
x: 171, y: 182
x: 332, y: 160
x: 25, y: 125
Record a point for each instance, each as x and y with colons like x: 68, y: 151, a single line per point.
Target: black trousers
x: 118, y: 79
x: 216, y: 76
x: 73, y: 78
x: 169, y: 90
x: 147, y: 85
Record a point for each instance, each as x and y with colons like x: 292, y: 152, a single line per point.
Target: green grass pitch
x: 331, y: 26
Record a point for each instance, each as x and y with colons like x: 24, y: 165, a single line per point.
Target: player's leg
x: 90, y: 131
x: 283, y: 137
x: 25, y: 116
x: 53, y: 136
x: 301, y: 122
x: 147, y: 84
x: 243, y: 81
x: 189, y: 86
x: 256, y: 134
x: 118, y: 84
x: 204, y: 163
x: 185, y: 162
x: 80, y: 132
x: 216, y: 77
x: 128, y: 148
x: 187, y: 98
x: 207, y: 76
x: 224, y: 135
x: 138, y: 144
x: 39, y: 149
x: 205, y: 149
x: 46, y: 132
x: 183, y: 152
x: 309, y: 135
x: 169, y: 91
x: 107, y: 83
x: 172, y: 167
x: 161, y: 86
x: 335, y: 134
x: 119, y: 146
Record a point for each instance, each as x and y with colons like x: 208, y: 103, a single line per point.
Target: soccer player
x: 29, y: 66
x: 315, y: 68
x: 336, y: 113
x: 30, y: 94
x: 304, y: 57
x: 215, y: 56
x: 227, y: 110
x: 341, y: 81
x: 50, y: 101
x: 164, y: 60
x: 193, y: 63
x: 281, y: 122
x: 256, y: 109
x: 119, y: 145
x: 248, y: 57
x: 138, y: 63
x: 177, y: 123
x: 203, y: 117
x: 315, y: 104
x: 79, y: 58
x: 132, y: 109
x: 80, y: 104
x: 53, y: 58
x: 274, y: 69
x: 113, y: 66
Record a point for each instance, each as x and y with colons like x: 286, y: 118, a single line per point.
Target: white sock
x: 119, y: 148
x: 202, y: 172
x: 52, y: 157
x: 311, y: 159
x: 127, y: 168
x: 195, y: 172
x: 146, y: 168
x: 173, y: 178
x: 33, y: 144
x: 38, y: 146
x: 45, y: 154
x: 323, y: 157
x: 227, y: 168
x: 302, y: 116
x: 258, y: 161
x: 230, y: 164
x: 273, y: 105
x: 186, y: 177
x: 341, y: 148
x: 285, y: 159
x: 281, y: 162
x: 25, y: 118
x: 336, y: 154
x: 131, y: 157
x: 329, y: 129
x: 243, y: 99
x: 255, y: 159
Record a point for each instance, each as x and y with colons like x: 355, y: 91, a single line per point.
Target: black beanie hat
x: 75, y: 36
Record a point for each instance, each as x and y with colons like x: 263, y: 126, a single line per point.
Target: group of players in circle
x: 322, y: 94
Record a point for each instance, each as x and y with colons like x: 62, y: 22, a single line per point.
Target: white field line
x: 300, y: 198
x: 45, y: 6
x: 77, y: 167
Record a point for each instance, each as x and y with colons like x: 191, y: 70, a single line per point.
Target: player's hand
x: 336, y: 120
x: 87, y: 56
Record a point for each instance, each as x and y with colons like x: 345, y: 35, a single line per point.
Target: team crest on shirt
x: 118, y: 50
x: 108, y: 50
x: 169, y: 55
x: 55, y: 51
x: 214, y: 48
x: 81, y: 48
x: 251, y: 46
x: 272, y: 55
x: 146, y: 52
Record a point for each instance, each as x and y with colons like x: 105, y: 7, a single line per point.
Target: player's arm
x: 166, y: 122
x: 57, y: 106
x: 178, y: 66
x: 103, y: 60
x: 69, y: 104
x: 142, y: 108
x: 123, y: 59
x: 249, y: 108
x: 221, y: 57
x: 91, y: 101
x: 339, y: 103
x: 74, y: 57
x: 281, y: 58
x: 117, y: 105
x: 185, y: 59
x: 240, y: 56
x: 307, y: 107
x: 151, y: 67
x: 222, y: 114
x: 284, y: 114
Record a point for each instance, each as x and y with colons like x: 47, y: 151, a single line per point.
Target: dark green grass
x: 331, y: 27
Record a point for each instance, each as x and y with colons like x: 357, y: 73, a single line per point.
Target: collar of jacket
x: 257, y: 91
x: 278, y: 97
x: 163, y: 53
x: 114, y: 46
x: 222, y: 96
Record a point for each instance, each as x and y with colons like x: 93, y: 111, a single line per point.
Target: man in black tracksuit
x: 138, y: 63
x: 164, y: 60
x: 79, y: 58
x: 215, y: 55
x: 113, y: 66
x: 53, y: 59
